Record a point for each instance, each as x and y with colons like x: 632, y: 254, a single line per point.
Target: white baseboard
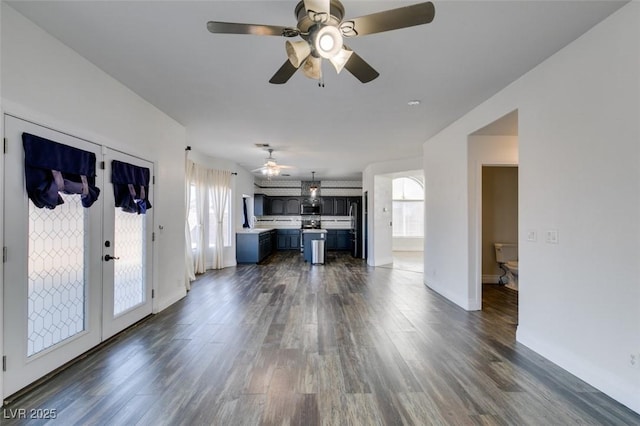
x: 169, y: 300
x: 626, y: 392
x: 440, y: 289
x: 490, y: 279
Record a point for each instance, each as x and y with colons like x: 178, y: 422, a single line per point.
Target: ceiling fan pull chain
x: 321, y: 77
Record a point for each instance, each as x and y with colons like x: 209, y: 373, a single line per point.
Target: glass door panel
x: 129, y: 271
x: 57, y: 281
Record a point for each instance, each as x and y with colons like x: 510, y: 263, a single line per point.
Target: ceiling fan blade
x: 284, y: 73
x: 394, y: 19
x: 318, y: 6
x: 254, y: 29
x: 360, y: 68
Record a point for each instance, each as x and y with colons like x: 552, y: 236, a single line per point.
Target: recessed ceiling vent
x: 262, y: 145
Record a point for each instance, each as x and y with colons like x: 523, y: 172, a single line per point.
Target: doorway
x: 407, y: 200
x: 495, y: 145
x: 500, y: 226
x: 74, y: 275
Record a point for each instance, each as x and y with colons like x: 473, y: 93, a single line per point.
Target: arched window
x: 408, y: 207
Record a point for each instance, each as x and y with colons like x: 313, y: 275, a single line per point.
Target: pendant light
x: 313, y: 188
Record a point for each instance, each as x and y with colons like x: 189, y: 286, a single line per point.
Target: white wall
x: 579, y: 173
x: 378, y: 184
x: 381, y: 214
x: 408, y: 244
x: 242, y: 183
x: 48, y: 83
x: 1, y: 204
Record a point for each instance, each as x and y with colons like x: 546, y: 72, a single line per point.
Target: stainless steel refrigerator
x: 355, y: 215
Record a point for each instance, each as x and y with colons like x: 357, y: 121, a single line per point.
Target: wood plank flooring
x: 287, y: 343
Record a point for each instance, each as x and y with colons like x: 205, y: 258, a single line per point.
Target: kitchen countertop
x: 314, y: 231
x: 253, y: 230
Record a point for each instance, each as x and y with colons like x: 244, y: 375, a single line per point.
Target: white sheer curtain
x: 219, y: 192
x: 211, y: 189
x: 202, y: 184
x: 189, y: 273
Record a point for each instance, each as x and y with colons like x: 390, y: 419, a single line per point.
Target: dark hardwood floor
x: 341, y: 344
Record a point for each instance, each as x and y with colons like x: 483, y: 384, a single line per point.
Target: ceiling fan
x: 270, y: 167
x: 322, y: 29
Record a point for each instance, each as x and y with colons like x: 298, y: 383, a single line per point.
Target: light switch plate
x: 551, y: 236
x: 532, y: 236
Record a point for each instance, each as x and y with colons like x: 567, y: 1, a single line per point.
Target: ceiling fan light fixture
x: 340, y: 59
x: 312, y: 68
x: 327, y: 41
x: 297, y: 52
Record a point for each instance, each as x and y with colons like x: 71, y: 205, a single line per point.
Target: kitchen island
x: 255, y: 244
x: 308, y: 236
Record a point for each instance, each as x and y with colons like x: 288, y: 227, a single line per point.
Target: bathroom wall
x: 499, y: 215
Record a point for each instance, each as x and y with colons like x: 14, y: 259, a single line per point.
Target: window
x: 209, y: 221
x: 408, y: 207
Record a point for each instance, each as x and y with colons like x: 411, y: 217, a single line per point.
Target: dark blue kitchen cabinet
x: 332, y: 239
x: 335, y: 206
x: 338, y: 239
x: 343, y: 239
x: 254, y: 247
x: 260, y: 205
x: 288, y: 239
x: 283, y: 206
x: 278, y: 206
x: 340, y: 207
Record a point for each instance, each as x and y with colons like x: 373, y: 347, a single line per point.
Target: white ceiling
x: 217, y: 85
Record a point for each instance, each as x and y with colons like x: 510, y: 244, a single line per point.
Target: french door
x: 73, y: 276
x: 127, y: 258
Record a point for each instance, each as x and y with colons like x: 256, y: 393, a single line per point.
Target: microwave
x: 310, y: 209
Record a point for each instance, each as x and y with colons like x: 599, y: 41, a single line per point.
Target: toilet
x: 507, y: 258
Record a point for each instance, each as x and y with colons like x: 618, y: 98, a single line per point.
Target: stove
x: 310, y: 223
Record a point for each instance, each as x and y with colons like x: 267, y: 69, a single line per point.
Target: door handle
x: 109, y: 257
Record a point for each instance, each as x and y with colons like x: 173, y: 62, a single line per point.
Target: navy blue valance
x: 51, y: 168
x: 130, y: 187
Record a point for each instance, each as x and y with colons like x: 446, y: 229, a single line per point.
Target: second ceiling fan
x: 323, y: 29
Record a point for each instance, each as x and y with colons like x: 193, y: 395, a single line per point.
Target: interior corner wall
x: 48, y: 83
x: 579, y: 174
